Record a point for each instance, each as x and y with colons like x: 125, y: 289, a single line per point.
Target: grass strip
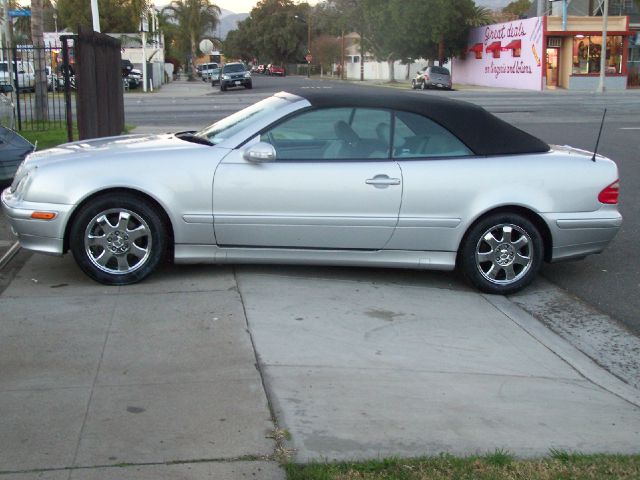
x: 500, y: 465
x: 54, y: 134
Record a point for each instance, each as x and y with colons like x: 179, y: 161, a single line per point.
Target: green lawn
x: 501, y: 465
x: 54, y: 135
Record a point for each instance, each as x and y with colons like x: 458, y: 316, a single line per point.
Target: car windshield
x: 229, y: 126
x: 440, y: 70
x: 236, y: 67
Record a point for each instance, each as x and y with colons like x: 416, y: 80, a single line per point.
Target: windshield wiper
x: 190, y: 137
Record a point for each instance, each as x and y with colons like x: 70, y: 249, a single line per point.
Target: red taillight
x: 610, y: 194
x: 426, y: 77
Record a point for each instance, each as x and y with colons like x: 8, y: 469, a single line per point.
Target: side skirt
x: 356, y: 258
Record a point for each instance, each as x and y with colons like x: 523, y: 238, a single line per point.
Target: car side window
x: 333, y: 134
x: 416, y: 136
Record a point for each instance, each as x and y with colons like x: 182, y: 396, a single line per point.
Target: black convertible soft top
x: 482, y: 132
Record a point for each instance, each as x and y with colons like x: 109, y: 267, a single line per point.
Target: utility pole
x: 95, y: 15
x: 603, y: 50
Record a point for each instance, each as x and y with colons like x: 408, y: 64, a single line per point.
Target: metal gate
x: 100, y: 101
x: 18, y: 73
x: 84, y: 85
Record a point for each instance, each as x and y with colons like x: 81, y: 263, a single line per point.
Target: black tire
x: 248, y: 85
x: 223, y: 88
x: 501, y: 253
x: 118, y: 239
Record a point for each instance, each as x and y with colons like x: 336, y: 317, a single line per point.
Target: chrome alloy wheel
x: 117, y: 241
x: 504, y: 254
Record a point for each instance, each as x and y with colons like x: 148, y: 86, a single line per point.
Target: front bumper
x: 46, y: 236
x: 576, y: 235
x: 237, y: 82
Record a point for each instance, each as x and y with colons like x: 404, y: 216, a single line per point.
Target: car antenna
x: 595, y: 150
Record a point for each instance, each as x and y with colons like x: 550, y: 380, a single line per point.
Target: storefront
x: 538, y: 53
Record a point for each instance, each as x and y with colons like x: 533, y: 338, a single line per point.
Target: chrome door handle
x: 381, y: 181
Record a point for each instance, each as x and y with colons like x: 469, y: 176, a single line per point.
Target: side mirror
x: 260, y: 152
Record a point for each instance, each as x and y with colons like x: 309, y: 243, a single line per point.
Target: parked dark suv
x: 235, y: 75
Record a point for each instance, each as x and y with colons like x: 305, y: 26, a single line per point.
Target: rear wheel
x: 502, y: 253
x: 118, y: 239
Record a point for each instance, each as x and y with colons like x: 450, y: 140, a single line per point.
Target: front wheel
x: 118, y: 239
x: 502, y: 253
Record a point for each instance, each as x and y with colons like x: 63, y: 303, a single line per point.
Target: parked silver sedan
x: 373, y: 179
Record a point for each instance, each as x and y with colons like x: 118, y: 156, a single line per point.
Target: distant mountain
x: 229, y: 21
x: 493, y: 4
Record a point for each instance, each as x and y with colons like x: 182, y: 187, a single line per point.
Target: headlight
x: 21, y: 182
x: 247, y: 75
x: 226, y: 77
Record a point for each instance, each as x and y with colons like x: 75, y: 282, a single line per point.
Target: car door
x: 331, y: 186
x: 442, y: 178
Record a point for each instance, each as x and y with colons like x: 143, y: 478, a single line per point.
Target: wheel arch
x: 532, y: 216
x: 128, y: 191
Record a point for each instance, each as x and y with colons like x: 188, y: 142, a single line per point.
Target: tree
x: 274, y: 32
x: 42, y: 104
x: 115, y: 15
x: 326, y: 51
x: 517, y: 8
x: 195, y: 18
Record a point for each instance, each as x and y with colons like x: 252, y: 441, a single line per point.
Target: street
x: 610, y: 281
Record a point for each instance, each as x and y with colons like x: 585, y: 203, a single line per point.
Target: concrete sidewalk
x: 180, y: 376
x: 368, y: 364
x: 152, y: 381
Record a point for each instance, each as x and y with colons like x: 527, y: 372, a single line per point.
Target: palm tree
x: 195, y: 18
x: 480, y: 16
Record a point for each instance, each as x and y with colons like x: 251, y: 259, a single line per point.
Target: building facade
x: 555, y: 51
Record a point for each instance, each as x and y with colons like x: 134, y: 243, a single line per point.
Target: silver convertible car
x: 339, y: 178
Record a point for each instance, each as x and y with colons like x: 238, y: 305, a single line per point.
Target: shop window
x: 587, y: 52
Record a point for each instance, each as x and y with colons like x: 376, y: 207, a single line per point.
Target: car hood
x: 99, y: 149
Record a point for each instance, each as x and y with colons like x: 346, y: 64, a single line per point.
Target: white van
x: 207, y: 70
x: 26, y: 74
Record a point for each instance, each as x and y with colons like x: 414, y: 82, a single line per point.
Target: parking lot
x: 224, y: 371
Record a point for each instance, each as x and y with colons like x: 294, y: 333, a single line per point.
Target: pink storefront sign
x: 507, y: 55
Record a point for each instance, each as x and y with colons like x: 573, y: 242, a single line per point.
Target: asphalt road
x: 610, y: 281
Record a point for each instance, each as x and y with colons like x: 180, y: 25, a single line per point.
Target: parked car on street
x: 432, y: 77
x: 13, y: 149
x: 386, y: 179
x: 259, y: 69
x: 235, y: 75
x: 206, y: 70
x: 214, y: 76
x: 135, y: 78
x: 276, y: 70
x: 25, y: 71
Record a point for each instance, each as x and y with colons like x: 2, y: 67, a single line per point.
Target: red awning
x: 494, y: 46
x: 476, y: 48
x: 514, y: 45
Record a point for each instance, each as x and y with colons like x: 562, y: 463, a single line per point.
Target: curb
x: 578, y: 360
x: 12, y: 252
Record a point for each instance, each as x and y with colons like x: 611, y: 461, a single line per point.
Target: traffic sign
x: 19, y: 13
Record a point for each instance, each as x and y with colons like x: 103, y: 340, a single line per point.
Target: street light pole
x: 309, y: 42
x: 603, y: 49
